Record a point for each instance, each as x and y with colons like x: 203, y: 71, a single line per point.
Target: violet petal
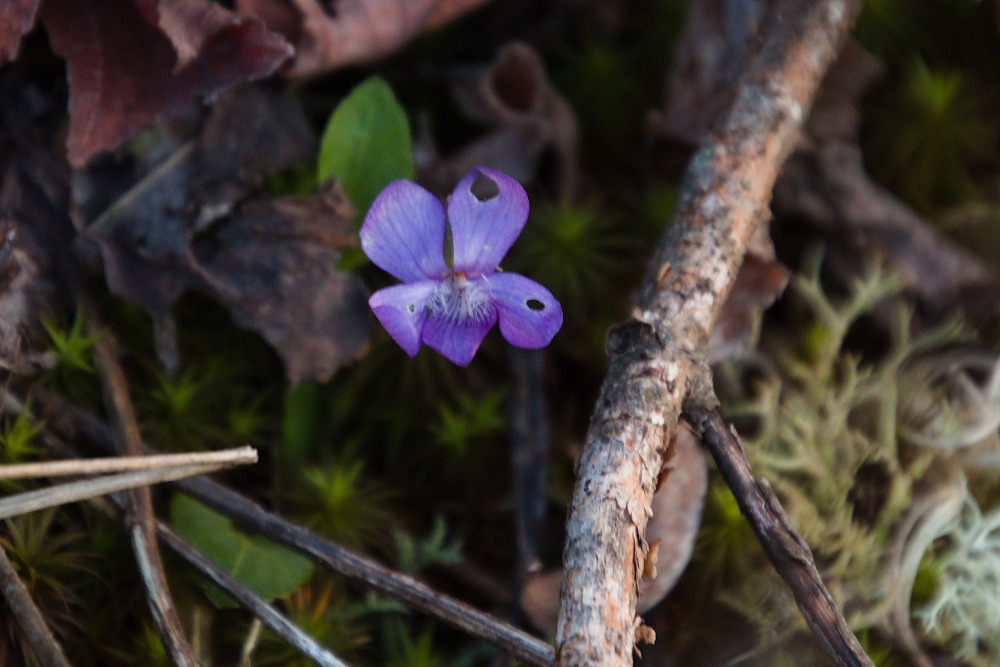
x: 457, y: 340
x: 529, y: 315
x: 402, y: 310
x: 403, y: 233
x: 483, y: 231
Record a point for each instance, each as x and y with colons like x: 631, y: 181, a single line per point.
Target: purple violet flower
x: 452, y: 309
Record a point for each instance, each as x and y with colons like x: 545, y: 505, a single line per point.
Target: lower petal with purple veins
x: 457, y: 339
x: 529, y: 315
x: 402, y: 310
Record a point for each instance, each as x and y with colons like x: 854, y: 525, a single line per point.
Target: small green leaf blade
x: 366, y: 144
x: 264, y: 567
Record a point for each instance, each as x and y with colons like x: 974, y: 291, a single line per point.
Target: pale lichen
x: 867, y: 457
x: 964, y: 611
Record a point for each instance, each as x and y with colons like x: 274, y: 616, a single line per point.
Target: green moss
x: 341, y: 501
x: 930, y: 134
x: 577, y: 252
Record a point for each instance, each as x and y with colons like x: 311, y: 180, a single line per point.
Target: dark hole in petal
x: 412, y: 307
x: 484, y: 188
x: 535, y: 304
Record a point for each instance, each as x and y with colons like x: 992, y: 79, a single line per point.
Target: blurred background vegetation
x: 409, y: 460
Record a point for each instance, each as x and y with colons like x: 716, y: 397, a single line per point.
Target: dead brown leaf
x: 528, y: 115
x: 719, y: 39
x: 16, y: 19
x: 273, y: 265
x: 671, y: 532
x: 677, y: 506
x: 125, y: 71
x: 270, y: 262
x: 759, y: 282
x: 334, y: 33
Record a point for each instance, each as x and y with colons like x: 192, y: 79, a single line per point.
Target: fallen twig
x: 656, y: 357
x: 71, y: 421
x: 218, y: 459
x: 265, y: 613
x: 71, y: 492
x: 268, y: 615
x: 788, y: 552
x: 139, y: 513
x: 36, y: 634
x: 418, y: 595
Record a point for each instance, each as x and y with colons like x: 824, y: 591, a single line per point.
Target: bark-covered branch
x: 654, y: 357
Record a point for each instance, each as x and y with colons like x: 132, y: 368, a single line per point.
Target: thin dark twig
x: 529, y: 454
x: 788, y: 552
x: 139, y: 514
x: 36, y: 633
x: 481, y: 625
x: 70, y: 420
x: 268, y: 615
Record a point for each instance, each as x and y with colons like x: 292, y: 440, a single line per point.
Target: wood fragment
x: 37, y: 636
x: 356, y: 33
x: 655, y: 357
x: 529, y: 433
x: 139, y: 516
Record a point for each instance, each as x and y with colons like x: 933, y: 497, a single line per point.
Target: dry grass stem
x: 219, y: 460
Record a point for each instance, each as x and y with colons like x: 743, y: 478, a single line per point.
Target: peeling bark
x: 654, y: 357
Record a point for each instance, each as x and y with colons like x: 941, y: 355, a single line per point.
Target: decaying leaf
x: 829, y: 190
x: 191, y: 25
x: 761, y: 279
x: 671, y: 532
x: 270, y: 262
x: 677, y: 506
x: 824, y: 187
x: 527, y: 115
x: 35, y: 232
x: 719, y: 38
x: 333, y: 33
x: 18, y: 275
x: 148, y: 231
x: 273, y: 265
x: 836, y: 112
x: 16, y: 19
x: 125, y: 71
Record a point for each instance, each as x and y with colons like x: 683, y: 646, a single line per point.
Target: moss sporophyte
x: 451, y: 309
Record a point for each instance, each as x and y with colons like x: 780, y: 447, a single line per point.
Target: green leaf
x: 366, y: 144
x: 268, y: 569
x: 301, y: 425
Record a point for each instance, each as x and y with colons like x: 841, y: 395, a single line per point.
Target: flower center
x: 458, y: 300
